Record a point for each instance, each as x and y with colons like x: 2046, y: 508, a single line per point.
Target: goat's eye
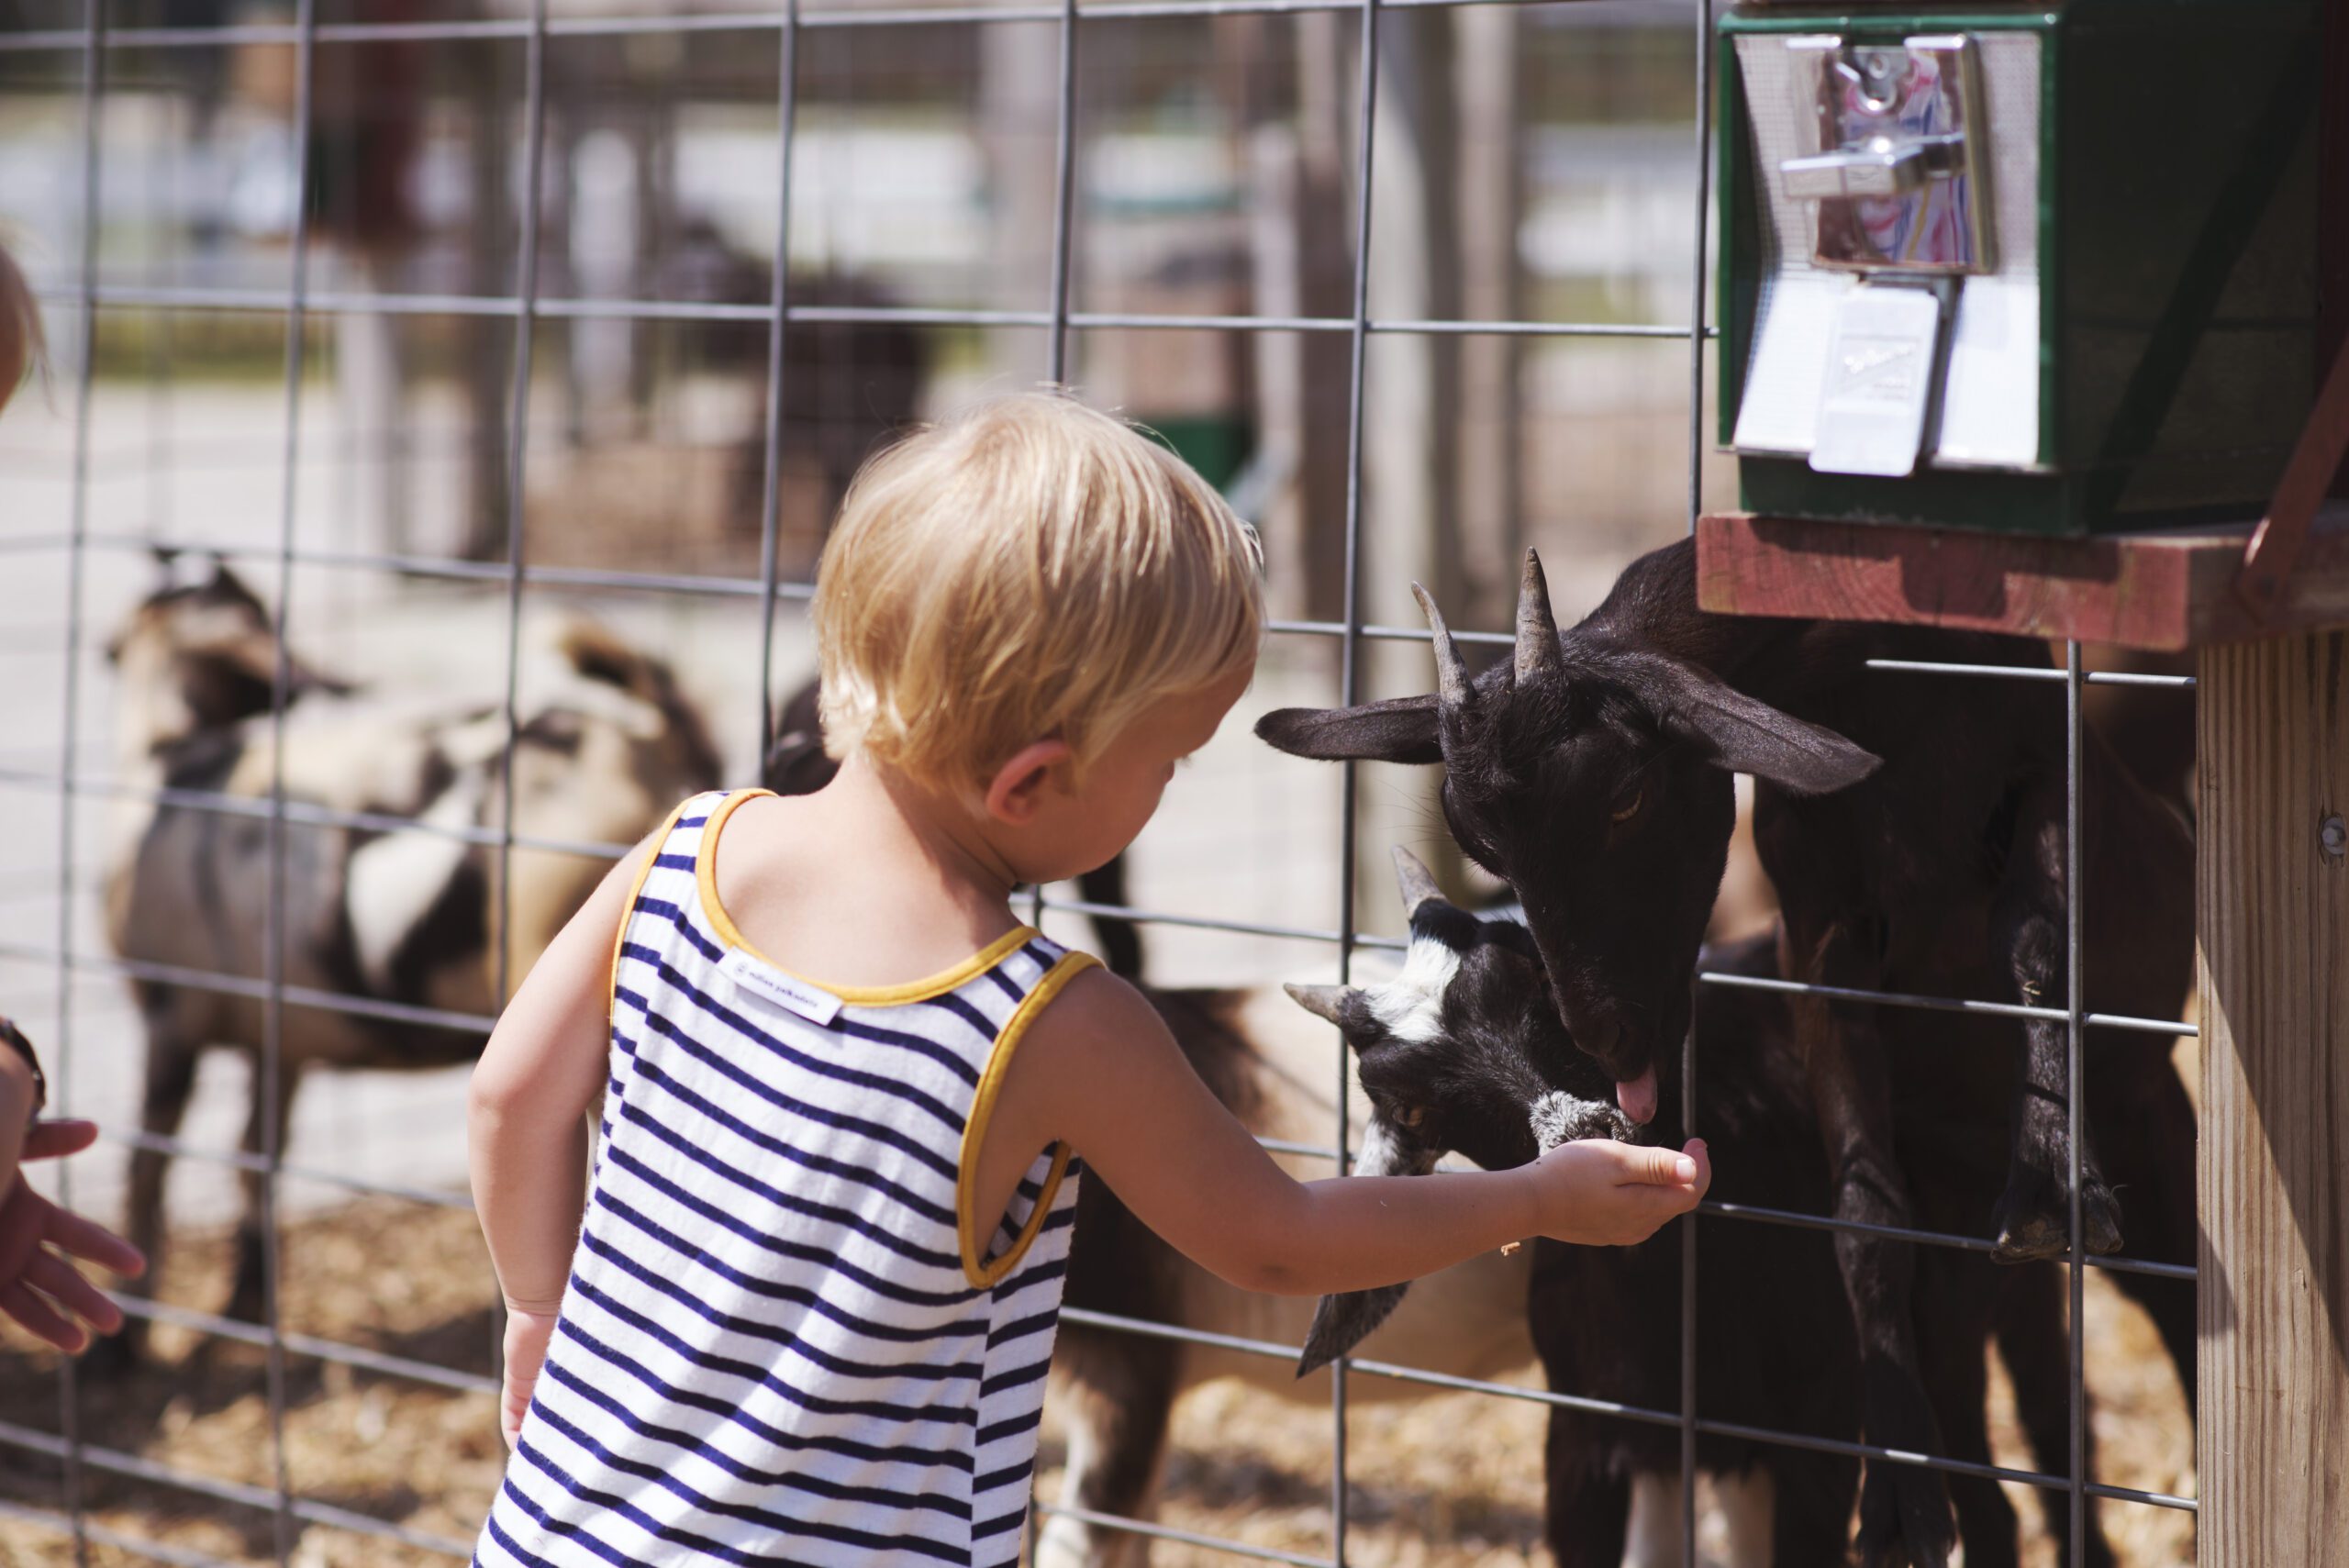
x: 1628, y: 806
x: 1409, y: 1116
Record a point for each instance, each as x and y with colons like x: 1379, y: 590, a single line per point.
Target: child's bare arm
x: 1100, y: 1069
x: 526, y: 1117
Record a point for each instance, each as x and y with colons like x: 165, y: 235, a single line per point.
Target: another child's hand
x: 39, y: 1287
x: 526, y: 1333
x: 1600, y: 1193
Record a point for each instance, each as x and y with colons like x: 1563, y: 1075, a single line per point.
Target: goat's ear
x: 228, y: 585
x: 1342, y: 1322
x: 1744, y: 735
x: 1400, y: 730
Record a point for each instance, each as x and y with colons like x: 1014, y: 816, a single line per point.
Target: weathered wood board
x: 2273, y: 1165
x: 2164, y: 591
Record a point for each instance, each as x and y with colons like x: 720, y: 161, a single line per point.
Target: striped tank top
x: 786, y: 1338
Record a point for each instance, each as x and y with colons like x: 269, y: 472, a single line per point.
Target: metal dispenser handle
x: 1882, y: 167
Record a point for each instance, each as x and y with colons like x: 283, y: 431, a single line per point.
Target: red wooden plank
x: 2163, y: 590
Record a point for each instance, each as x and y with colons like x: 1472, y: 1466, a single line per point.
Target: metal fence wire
x: 96, y: 41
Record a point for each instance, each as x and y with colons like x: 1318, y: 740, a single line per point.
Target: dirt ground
x: 1454, y: 1480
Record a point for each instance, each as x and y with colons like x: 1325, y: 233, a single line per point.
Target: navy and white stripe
x: 770, y: 1349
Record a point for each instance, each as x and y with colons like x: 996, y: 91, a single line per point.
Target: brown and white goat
x: 1272, y: 1066
x: 607, y: 743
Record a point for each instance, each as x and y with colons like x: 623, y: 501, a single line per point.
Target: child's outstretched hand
x: 1605, y: 1194
x: 526, y: 1333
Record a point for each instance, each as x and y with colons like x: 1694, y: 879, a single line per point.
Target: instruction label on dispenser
x: 1882, y: 357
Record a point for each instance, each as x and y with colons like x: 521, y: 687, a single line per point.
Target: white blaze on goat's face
x: 1411, y: 1004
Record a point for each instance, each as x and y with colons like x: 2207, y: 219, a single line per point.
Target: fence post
x: 2272, y: 901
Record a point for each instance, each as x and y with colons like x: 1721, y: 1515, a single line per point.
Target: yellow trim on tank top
x: 627, y: 910
x: 986, y: 1273
x: 939, y: 984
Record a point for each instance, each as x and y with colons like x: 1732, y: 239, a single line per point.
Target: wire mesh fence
x: 523, y: 72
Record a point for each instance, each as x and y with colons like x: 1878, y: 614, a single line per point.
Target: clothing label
x: 770, y: 985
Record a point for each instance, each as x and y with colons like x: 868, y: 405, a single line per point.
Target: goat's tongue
x: 1637, y: 1096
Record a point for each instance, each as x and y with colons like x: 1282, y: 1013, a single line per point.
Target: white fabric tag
x: 770, y: 985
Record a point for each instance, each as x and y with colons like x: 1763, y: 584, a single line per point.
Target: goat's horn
x: 1417, y: 882
x: 1322, y: 1001
x: 1450, y: 680
x: 1537, y: 630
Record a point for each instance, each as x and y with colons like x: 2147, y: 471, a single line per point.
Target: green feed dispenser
x: 2046, y: 269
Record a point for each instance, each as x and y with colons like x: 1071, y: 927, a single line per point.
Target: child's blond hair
x: 1032, y: 569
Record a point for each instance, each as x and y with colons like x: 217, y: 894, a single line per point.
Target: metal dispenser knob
x: 1879, y: 167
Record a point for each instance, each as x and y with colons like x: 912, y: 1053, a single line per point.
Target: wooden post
x: 2272, y: 900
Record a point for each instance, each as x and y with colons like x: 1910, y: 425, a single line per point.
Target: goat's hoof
x: 2034, y: 1220
x: 1905, y: 1520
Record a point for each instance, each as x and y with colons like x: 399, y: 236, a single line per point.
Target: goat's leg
x: 171, y: 1078
x: 1587, y: 1511
x: 1122, y: 1389
x: 1810, y: 1507
x: 1954, y: 1295
x: 2034, y: 1342
x: 249, y: 1298
x: 2027, y: 933
x: 1904, y: 1510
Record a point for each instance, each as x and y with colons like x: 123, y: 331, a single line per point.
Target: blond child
x: 847, y: 1097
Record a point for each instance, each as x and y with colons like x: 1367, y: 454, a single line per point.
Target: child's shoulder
x: 757, y: 836
x: 824, y: 889
x: 1092, y: 1009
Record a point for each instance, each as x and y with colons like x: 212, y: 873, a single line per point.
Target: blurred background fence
x: 444, y: 324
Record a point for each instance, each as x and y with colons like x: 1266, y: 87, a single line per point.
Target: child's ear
x: 1018, y: 787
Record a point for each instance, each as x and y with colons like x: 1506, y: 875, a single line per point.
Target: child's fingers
x: 511, y: 1409
x: 38, y: 1317
x: 92, y: 1243
x: 1646, y: 1166
x: 56, y: 1280
x: 58, y: 1137
x: 1643, y: 1210
x: 1696, y: 1151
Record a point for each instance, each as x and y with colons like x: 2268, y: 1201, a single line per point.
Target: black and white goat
x: 1463, y: 1051
x: 1915, y: 836
x: 608, y: 742
x: 1270, y: 1065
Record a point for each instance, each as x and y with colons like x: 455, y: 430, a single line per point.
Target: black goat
x: 1464, y: 1051
x: 1916, y: 839
x: 796, y: 765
